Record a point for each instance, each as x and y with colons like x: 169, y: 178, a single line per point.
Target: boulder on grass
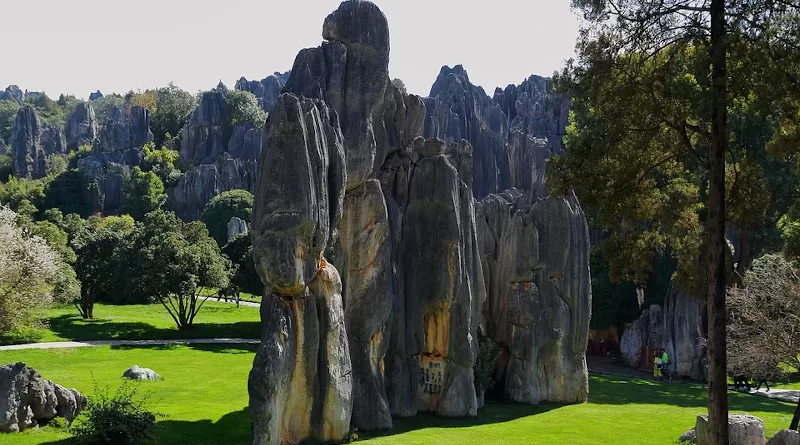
x: 688, y: 437
x: 785, y: 437
x: 743, y: 429
x: 137, y: 373
x: 27, y: 400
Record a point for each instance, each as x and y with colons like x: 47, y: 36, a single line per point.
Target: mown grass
x: 204, y: 394
x: 140, y: 322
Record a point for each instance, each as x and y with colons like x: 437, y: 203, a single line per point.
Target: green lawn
x: 204, y: 394
x: 137, y: 322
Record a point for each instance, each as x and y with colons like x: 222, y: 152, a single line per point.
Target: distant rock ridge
x: 267, y: 90
x: 513, y: 133
x: 29, y: 159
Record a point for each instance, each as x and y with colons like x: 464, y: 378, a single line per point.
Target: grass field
x: 204, y: 395
x: 137, y: 322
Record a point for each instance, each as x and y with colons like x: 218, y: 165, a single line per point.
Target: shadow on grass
x: 226, y: 348
x: 73, y: 327
x: 606, y: 390
x: 232, y: 428
x: 492, y: 412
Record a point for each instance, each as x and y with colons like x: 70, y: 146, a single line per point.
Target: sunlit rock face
x: 366, y: 238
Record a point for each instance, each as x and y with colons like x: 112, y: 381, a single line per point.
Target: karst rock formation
x: 382, y: 270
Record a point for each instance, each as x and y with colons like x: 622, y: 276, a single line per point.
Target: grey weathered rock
x: 12, y: 92
x: 364, y: 256
x: 245, y: 143
x: 267, y: 90
x: 689, y: 437
x: 677, y: 328
x: 785, y: 437
x: 96, y: 95
x: 345, y: 174
x: 300, y: 191
x: 743, y: 429
x: 683, y: 335
x: 125, y: 127
x: 513, y: 133
x: 53, y: 140
x: 301, y: 382
x: 109, y: 171
x: 29, y: 160
x: 537, y: 266
x: 27, y: 400
x: 203, y: 140
x: 138, y: 373
x: 81, y: 128
x: 198, y: 186
x: 634, y: 338
x: 436, y: 279
x: 236, y: 227
x: 3, y: 148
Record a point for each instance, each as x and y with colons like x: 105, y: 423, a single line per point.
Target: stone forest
x: 322, y: 257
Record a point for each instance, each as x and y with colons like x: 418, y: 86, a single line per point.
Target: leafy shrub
x: 485, y: 364
x: 121, y: 418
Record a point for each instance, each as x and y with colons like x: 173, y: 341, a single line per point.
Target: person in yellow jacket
x: 656, y: 366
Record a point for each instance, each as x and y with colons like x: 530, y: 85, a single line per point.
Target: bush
x: 121, y: 418
x: 485, y: 364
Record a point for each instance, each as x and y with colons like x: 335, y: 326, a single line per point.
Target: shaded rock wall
x: 82, y: 127
x: 677, y: 327
x: 28, y: 159
x: 535, y: 260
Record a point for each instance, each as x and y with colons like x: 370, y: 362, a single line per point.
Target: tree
x: 100, y: 254
x: 146, y: 99
x: 219, y: 211
x: 179, y: 261
x: 243, y: 108
x: 16, y: 190
x: 762, y: 319
x: 5, y: 168
x: 143, y: 192
x: 8, y: 115
x: 244, y: 276
x: 162, y: 162
x: 28, y: 267
x: 671, y: 58
x: 71, y: 192
x: 104, y: 105
x: 173, y: 108
x: 47, y: 109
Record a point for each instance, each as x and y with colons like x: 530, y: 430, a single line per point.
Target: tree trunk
x: 796, y: 417
x: 715, y: 225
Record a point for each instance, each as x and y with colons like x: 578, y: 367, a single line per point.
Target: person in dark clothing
x: 764, y: 372
x: 741, y: 381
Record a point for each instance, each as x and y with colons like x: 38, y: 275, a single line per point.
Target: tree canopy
x: 219, y: 211
x: 143, y: 192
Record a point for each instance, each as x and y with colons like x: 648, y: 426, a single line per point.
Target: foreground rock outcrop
x: 743, y: 429
x: 677, y: 327
x: 27, y: 400
x: 366, y: 239
x: 535, y: 259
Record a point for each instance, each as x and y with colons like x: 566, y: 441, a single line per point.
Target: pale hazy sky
x: 79, y: 46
